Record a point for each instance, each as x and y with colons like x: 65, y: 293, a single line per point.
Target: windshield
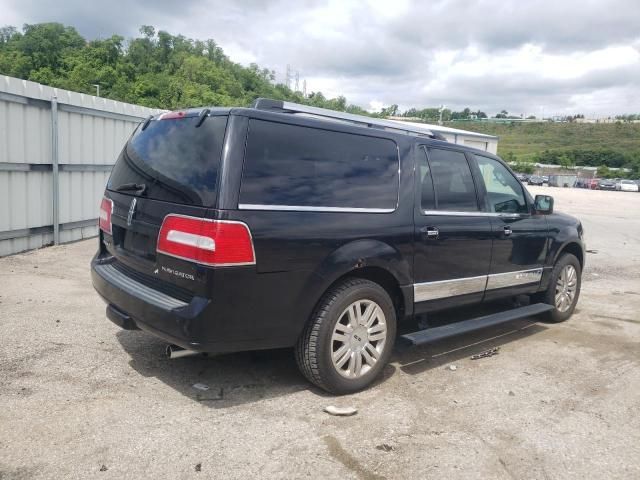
x: 172, y: 160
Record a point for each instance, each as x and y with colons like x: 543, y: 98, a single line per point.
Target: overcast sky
x: 563, y: 56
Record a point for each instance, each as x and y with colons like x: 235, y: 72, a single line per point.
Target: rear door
x: 519, y: 237
x: 452, y: 235
x: 169, y: 166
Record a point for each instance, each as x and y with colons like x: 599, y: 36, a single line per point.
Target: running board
x: 438, y: 333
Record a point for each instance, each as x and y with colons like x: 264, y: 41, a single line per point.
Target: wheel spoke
x: 354, y: 315
x: 377, y: 328
x: 367, y: 356
x: 341, y: 327
x: 372, y: 351
x: 370, y: 314
x: 357, y: 364
x: 347, y: 355
x: 339, y: 337
x: 338, y: 354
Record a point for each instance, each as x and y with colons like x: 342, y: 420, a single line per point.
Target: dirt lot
x: 80, y: 398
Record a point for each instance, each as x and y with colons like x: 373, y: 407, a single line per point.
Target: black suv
x: 229, y: 229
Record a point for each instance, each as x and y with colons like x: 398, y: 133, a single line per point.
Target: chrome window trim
x: 300, y: 208
x: 426, y: 291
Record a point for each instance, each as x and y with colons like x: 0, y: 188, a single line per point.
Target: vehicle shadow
x: 232, y: 379
x: 247, y: 377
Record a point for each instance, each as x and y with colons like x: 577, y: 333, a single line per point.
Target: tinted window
x: 300, y: 166
x: 427, y: 199
x: 452, y: 179
x: 175, y: 160
x: 504, y: 191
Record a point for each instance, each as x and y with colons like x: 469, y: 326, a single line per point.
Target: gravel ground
x: 80, y: 398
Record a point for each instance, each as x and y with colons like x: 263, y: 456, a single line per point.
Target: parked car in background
x: 545, y: 179
x: 628, y: 186
x: 523, y: 177
x: 593, y: 183
x: 582, y: 183
x: 536, y: 180
x: 606, y: 184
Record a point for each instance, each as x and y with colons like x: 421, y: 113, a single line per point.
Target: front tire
x: 349, y: 338
x: 564, y: 288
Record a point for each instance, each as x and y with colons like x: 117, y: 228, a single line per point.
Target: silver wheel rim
x: 566, y: 288
x: 358, y: 339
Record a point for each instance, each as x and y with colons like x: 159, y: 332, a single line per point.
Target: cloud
x: 565, y: 55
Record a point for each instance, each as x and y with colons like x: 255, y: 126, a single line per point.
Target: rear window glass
x: 452, y: 179
x: 287, y: 165
x: 176, y: 161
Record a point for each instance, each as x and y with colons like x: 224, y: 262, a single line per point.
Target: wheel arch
x: 372, y: 260
x: 575, y: 249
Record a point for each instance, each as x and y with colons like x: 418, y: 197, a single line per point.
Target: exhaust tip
x: 174, y: 351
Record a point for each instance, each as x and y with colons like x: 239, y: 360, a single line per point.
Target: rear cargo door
x: 169, y: 166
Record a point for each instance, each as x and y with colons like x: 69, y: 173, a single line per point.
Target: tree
x: 603, y: 171
x: 155, y: 69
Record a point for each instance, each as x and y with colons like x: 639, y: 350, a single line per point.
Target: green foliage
x: 568, y: 144
x: 156, y: 69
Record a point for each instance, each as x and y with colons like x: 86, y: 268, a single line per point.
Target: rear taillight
x: 106, y: 209
x: 209, y: 242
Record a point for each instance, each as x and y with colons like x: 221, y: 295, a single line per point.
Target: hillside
x: 528, y: 141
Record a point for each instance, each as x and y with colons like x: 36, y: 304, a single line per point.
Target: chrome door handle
x: 507, y: 231
x: 430, y: 232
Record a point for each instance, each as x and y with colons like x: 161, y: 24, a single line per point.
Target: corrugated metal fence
x: 57, y: 148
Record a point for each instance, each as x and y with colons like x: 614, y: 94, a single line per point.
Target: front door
x: 452, y: 234
x: 519, y: 237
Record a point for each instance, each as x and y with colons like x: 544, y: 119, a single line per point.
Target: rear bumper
x: 132, y: 305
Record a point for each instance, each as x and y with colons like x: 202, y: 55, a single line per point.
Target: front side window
x: 504, y: 191
x: 293, y: 166
x: 452, y: 180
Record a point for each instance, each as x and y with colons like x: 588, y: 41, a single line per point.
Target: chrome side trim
x: 426, y: 291
x: 137, y: 289
x: 423, y: 292
x: 470, y: 214
x: 511, y: 279
x: 299, y: 208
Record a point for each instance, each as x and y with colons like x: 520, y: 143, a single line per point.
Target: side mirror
x: 543, y: 204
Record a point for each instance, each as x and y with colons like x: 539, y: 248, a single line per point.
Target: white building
x: 481, y: 141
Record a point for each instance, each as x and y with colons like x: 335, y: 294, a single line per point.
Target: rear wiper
x: 140, y: 187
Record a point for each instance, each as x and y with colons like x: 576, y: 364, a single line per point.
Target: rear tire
x: 349, y: 338
x: 564, y: 288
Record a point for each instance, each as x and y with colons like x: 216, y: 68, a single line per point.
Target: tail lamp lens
x: 209, y: 242
x: 106, y: 209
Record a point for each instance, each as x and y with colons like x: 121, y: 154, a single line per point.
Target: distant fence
x: 57, y: 148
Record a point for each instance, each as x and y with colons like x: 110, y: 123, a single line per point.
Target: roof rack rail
x: 290, y: 107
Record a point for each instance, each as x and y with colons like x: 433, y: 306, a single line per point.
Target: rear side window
x: 176, y: 161
x: 293, y: 166
x: 453, y: 183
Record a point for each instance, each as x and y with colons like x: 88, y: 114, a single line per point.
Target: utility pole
x: 442, y: 107
x: 297, y: 80
x: 304, y: 88
x: 288, y: 78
